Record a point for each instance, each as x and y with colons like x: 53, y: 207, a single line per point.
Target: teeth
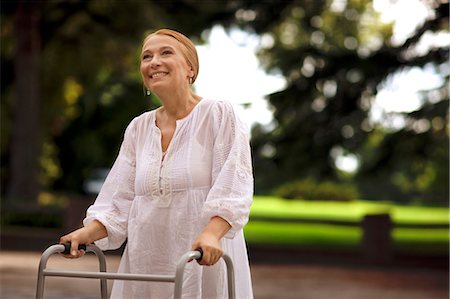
x: 158, y: 75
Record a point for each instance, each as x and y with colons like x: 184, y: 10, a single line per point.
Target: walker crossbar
x: 103, y: 275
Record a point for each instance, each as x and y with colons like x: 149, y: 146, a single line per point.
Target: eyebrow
x: 160, y: 49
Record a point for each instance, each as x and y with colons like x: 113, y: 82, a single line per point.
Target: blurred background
x: 347, y: 102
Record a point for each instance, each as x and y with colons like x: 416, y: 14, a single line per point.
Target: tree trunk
x: 25, y: 143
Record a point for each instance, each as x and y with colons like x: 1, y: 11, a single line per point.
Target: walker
x: 177, y: 279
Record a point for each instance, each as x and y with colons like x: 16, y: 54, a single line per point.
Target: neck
x: 177, y: 105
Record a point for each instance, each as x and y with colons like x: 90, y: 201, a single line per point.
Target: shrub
x: 309, y: 189
x: 32, y: 219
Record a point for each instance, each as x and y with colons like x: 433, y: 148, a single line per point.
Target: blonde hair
x: 188, y: 48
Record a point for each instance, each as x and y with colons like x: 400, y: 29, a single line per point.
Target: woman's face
x: 163, y: 64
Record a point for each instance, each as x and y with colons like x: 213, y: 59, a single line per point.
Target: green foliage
x: 423, y: 178
x: 335, y: 57
x: 89, y: 81
x: 35, y: 219
x: 333, y: 54
x: 311, y: 190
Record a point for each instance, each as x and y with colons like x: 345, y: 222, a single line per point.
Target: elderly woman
x: 182, y: 180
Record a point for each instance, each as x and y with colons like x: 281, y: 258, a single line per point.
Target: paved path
x: 18, y: 272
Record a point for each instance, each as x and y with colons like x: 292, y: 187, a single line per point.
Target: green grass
x: 430, y: 240
x: 266, y: 206
x: 298, y: 234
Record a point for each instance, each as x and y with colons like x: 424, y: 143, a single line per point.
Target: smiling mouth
x: 158, y: 75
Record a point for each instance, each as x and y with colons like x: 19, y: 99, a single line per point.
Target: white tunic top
x: 162, y: 205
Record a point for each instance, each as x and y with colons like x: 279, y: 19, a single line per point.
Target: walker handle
x: 201, y: 254
x: 67, y: 246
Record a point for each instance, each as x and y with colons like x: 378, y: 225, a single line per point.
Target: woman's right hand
x: 86, y: 235
x: 77, y: 237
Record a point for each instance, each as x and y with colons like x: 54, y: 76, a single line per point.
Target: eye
x: 166, y: 52
x: 146, y: 56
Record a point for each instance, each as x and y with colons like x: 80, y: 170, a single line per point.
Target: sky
x: 399, y: 93
x: 229, y: 68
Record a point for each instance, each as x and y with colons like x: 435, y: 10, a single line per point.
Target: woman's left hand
x: 210, y: 245
x: 209, y: 240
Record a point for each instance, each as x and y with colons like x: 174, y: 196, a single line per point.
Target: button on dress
x: 161, y: 204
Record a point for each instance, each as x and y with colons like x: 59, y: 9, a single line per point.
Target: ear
x: 191, y: 72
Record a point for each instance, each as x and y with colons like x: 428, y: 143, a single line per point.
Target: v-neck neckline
x: 177, y: 122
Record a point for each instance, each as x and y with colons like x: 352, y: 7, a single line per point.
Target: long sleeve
x: 113, y: 203
x: 232, y: 177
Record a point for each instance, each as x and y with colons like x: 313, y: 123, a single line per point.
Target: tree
x: 335, y: 55
x: 26, y: 132
x: 84, y: 75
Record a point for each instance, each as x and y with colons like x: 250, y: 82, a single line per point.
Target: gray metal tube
x: 230, y: 276
x: 102, y: 267
x: 58, y: 248
x: 103, y: 275
x: 195, y: 255
x: 42, y: 265
x: 190, y: 255
x: 108, y: 275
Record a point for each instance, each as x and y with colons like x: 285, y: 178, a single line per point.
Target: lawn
x: 267, y: 213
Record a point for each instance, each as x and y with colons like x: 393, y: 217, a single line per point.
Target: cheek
x: 143, y: 71
x: 142, y: 68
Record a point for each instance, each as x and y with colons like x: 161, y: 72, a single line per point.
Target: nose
x: 155, y: 62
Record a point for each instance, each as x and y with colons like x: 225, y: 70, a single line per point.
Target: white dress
x: 161, y: 205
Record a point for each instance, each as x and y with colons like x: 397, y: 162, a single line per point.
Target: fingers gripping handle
x: 68, y: 245
x: 201, y: 254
